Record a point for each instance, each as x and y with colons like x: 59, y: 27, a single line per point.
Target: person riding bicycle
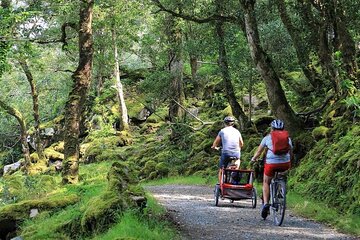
x: 231, y: 140
x: 279, y: 153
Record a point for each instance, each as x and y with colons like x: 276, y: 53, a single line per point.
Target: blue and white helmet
x: 277, y: 124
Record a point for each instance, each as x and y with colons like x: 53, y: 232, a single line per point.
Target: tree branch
x: 65, y: 70
x: 319, y: 109
x: 63, y: 31
x: 214, y: 17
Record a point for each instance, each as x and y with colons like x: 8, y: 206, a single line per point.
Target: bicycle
x: 278, y: 197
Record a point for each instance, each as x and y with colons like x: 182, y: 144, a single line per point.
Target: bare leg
x: 219, y: 176
x: 266, y: 189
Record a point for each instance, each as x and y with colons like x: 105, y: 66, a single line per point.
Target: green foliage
x: 329, y: 172
x: 162, y: 169
x: 319, y: 211
x: 353, y: 103
x: 101, y: 211
x: 19, y: 211
x: 320, y: 132
x: 149, y: 225
x: 105, y: 195
x: 102, y: 145
x: 17, y: 187
x: 183, y: 180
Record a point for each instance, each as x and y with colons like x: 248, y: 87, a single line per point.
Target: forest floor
x: 193, y: 211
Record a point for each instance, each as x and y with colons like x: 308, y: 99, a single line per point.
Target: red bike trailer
x: 235, y: 185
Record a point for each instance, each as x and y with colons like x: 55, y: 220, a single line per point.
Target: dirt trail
x: 192, y: 208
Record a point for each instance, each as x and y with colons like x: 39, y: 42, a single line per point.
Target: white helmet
x: 229, y: 119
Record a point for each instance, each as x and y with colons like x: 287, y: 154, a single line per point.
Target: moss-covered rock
x: 58, y: 146
x: 53, y: 155
x: 105, y: 148
x: 148, y: 168
x: 162, y: 169
x: 21, y: 210
x: 119, y: 177
x: 102, y: 211
x: 320, y: 132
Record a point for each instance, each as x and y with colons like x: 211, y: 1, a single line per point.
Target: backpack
x: 280, y: 142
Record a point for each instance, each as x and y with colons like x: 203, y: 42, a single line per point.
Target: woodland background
x: 97, y: 96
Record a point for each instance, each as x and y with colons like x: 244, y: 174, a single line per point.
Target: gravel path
x: 192, y: 209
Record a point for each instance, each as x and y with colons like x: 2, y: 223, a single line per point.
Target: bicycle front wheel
x: 279, y: 203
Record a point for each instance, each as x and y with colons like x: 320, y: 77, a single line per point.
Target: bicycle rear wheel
x: 279, y: 202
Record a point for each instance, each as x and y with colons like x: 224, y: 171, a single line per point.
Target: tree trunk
x: 174, y: 34
x: 4, y: 45
x: 23, y: 132
x: 301, y: 50
x: 123, y: 110
x: 250, y: 95
x: 100, y: 74
x: 224, y: 68
x: 194, y: 65
x: 77, y: 97
x: 35, y: 99
x: 278, y: 102
x: 346, y: 45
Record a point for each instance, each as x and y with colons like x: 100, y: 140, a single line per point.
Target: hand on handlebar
x: 216, y: 148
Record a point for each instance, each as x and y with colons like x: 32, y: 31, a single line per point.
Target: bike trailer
x: 237, y: 184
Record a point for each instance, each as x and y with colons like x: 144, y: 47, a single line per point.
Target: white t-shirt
x: 230, y: 138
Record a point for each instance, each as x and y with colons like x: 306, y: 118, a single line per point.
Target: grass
x: 134, y: 225
x: 323, y: 213
x: 183, y: 180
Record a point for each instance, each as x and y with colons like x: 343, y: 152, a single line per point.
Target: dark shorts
x: 270, y: 169
x: 225, y: 158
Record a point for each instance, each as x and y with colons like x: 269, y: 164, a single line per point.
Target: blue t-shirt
x: 230, y: 138
x: 270, y: 156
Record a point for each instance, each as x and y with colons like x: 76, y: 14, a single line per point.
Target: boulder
x: 12, y: 167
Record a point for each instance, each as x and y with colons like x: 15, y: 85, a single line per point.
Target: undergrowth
x: 319, y: 211
x: 150, y: 225
x: 330, y: 171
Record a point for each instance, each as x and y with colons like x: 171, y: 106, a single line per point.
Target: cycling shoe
x: 265, y: 211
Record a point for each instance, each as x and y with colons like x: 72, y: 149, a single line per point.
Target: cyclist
x: 231, y: 140
x: 273, y: 162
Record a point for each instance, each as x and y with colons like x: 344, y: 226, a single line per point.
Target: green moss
x: 51, y: 153
x: 227, y: 111
x: 53, y: 122
x: 162, y: 169
x: 148, y: 168
x: 152, y: 175
x: 201, y: 161
x: 330, y: 171
x: 21, y: 210
x: 58, y: 146
x: 105, y: 148
x: 320, y: 132
x: 119, y: 176
x: 101, y: 211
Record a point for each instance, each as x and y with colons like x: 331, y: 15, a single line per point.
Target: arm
x: 241, y: 142
x: 216, y: 142
x: 257, y: 153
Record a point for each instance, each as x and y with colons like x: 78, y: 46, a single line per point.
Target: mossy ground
x: 330, y: 172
